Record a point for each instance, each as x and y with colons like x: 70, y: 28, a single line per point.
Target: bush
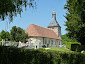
x: 68, y: 41
x: 68, y: 44
x: 13, y: 55
x: 77, y: 47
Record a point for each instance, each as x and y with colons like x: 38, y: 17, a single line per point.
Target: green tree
x: 5, y: 35
x: 18, y: 34
x: 8, y: 36
x: 68, y: 41
x: 10, y: 8
x: 76, y: 20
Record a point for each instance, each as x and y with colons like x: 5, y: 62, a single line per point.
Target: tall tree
x: 5, y: 35
x: 76, y: 19
x: 18, y: 34
x: 10, y: 8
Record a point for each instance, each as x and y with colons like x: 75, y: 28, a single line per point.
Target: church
x: 40, y: 37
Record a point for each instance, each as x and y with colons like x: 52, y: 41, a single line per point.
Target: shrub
x: 68, y: 44
x: 13, y: 55
x: 77, y: 47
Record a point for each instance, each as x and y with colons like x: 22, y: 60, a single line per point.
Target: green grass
x: 62, y: 49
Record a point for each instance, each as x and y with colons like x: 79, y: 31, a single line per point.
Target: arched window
x: 59, y: 43
x: 49, y: 41
x: 52, y: 42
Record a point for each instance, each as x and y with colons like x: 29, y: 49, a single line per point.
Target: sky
x: 41, y: 16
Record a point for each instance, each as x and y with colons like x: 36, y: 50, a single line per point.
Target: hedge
x: 12, y: 55
x: 77, y: 47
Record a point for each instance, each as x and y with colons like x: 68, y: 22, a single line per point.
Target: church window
x: 59, y: 43
x: 52, y: 42
x: 49, y: 42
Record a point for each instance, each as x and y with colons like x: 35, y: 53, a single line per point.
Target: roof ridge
x: 42, y: 27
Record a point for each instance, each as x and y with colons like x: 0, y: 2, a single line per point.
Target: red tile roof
x: 38, y: 31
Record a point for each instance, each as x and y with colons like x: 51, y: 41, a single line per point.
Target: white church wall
x: 38, y: 41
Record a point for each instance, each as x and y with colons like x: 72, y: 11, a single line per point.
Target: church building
x: 40, y: 37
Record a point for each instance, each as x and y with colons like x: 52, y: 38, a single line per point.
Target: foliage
x: 8, y: 36
x: 5, y: 35
x: 12, y: 55
x: 0, y: 39
x: 42, y: 49
x: 68, y: 44
x: 10, y: 8
x: 60, y: 49
x: 77, y: 47
x: 76, y: 19
x: 68, y: 41
x: 18, y: 34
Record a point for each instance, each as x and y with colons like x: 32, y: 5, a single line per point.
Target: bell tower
x: 54, y: 25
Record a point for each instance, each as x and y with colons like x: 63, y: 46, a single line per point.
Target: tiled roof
x: 38, y: 31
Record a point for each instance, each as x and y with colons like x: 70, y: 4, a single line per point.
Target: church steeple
x: 54, y: 14
x: 54, y: 24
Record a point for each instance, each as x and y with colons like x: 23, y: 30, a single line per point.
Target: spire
x: 53, y: 22
x: 54, y: 14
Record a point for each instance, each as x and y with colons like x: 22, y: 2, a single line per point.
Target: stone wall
x: 57, y: 30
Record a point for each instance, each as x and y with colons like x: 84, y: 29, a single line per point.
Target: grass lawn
x: 59, y: 49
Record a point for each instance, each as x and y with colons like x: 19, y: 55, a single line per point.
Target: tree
x: 68, y: 41
x: 18, y: 34
x: 76, y: 19
x: 10, y: 8
x: 5, y: 35
x: 8, y: 36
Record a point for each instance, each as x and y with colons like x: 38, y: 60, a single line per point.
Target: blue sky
x: 41, y: 16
